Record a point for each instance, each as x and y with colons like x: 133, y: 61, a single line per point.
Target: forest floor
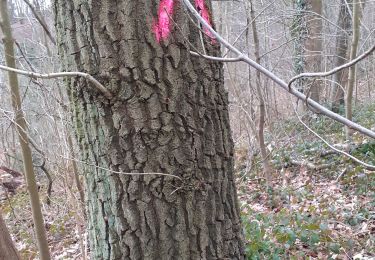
x: 319, y: 204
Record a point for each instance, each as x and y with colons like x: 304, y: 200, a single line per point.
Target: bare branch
x: 312, y: 166
x: 312, y: 105
x: 90, y: 78
x: 366, y: 165
x: 120, y: 172
x: 219, y: 59
x: 333, y: 71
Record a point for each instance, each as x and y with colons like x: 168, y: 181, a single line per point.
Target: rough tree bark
x: 169, y: 114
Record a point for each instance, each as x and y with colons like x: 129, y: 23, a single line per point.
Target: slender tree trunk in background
x: 307, y: 31
x: 342, y: 46
x: 169, y: 114
x: 262, y: 108
x: 76, y: 172
x: 298, y: 32
x: 314, y: 46
x: 352, y: 69
x: 249, y: 79
x: 22, y: 133
x: 7, y: 248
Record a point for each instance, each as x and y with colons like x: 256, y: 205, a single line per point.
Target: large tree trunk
x: 169, y: 114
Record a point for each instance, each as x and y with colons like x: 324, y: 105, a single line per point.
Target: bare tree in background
x: 352, y: 70
x: 307, y: 33
x: 340, y: 78
x: 260, y: 90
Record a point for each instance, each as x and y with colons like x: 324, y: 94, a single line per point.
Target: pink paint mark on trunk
x: 162, y: 26
x: 203, y: 11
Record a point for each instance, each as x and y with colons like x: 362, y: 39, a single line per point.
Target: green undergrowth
x: 287, y: 235
x: 326, y: 212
